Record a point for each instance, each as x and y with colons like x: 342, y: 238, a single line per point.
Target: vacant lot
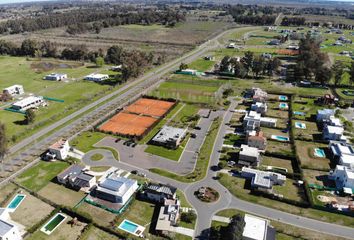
x: 100, y: 216
x: 41, y: 174
x: 17, y: 70
x: 277, y: 162
x: 97, y: 234
x: 61, y: 195
x: 291, y: 191
x: 85, y: 140
x: 279, y: 147
x: 316, y: 177
x: 64, y: 231
x: 31, y: 211
x: 306, y: 151
x: 6, y: 191
x: 307, y: 106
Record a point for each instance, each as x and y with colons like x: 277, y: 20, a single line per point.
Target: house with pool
x: 113, y: 192
x: 9, y: 230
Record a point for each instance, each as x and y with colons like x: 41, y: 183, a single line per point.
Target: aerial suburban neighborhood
x: 135, y: 119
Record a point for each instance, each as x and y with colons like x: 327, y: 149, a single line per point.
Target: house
x: 28, y: 102
x: 233, y: 45
x: 274, y: 42
x: 9, y: 230
x: 96, y: 77
x: 262, y: 179
x: 268, y: 122
x: 252, y: 121
x: 342, y: 153
x: 258, y: 95
x: 327, y: 99
x: 333, y: 121
x: 256, y: 139
x: 59, y: 150
x: 343, y: 176
x: 56, y: 76
x: 209, y: 58
x: 333, y: 133
x: 249, y: 156
x: 257, y: 229
x: 14, y: 90
x: 77, y: 177
x: 159, y: 192
x: 169, y: 137
x: 168, y: 216
x: 324, y: 114
x: 259, y: 107
x: 115, y: 189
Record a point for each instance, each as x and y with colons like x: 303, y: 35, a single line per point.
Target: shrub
x: 188, y: 217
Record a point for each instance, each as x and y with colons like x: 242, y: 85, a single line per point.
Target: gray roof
x: 167, y: 134
x: 5, y: 227
x: 161, y: 188
x: 73, y: 170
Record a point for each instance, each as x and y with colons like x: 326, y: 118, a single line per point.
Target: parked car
x: 117, y: 140
x: 197, y: 128
x: 193, y: 135
x: 134, y: 172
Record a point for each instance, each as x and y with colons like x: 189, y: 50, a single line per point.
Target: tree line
x: 101, y: 18
x: 293, y: 21
x: 252, y: 14
x: 258, y: 65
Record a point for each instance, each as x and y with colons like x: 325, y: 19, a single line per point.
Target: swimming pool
x: 299, y: 113
x: 53, y: 223
x: 15, y: 202
x: 131, y: 227
x: 300, y: 125
x: 283, y: 106
x: 280, y: 138
x: 283, y: 98
x: 319, y: 153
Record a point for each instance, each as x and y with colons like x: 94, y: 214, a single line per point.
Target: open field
x: 100, y: 216
x: 277, y: 162
x: 41, y: 174
x: 202, y: 65
x: 17, y: 70
x: 61, y: 195
x: 31, y: 211
x: 85, y: 140
x: 316, y: 177
x: 291, y: 191
x: 64, y: 231
x: 95, y: 233
x: 6, y: 191
x: 279, y: 148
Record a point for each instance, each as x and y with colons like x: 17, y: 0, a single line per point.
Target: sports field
x: 150, y: 107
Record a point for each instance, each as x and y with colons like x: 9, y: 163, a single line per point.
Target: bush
x: 222, y: 164
x: 188, y: 217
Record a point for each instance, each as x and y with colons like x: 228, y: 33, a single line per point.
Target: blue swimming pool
x: 283, y: 105
x: 16, y: 201
x: 300, y: 125
x: 128, y: 226
x: 283, y: 98
x: 299, y: 113
x: 280, y: 138
x: 319, y: 153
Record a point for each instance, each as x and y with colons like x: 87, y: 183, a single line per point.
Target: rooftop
x: 262, y: 178
x: 116, y: 185
x: 168, y: 133
x: 27, y: 100
x: 255, y: 228
x: 249, y: 151
x: 325, y: 111
x: 59, y: 144
x: 5, y: 227
x: 161, y: 188
x: 334, y: 129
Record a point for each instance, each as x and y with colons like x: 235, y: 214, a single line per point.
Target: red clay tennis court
x: 150, y: 107
x: 288, y: 52
x: 128, y: 124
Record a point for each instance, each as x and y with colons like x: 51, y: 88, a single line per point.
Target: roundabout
x: 207, y: 194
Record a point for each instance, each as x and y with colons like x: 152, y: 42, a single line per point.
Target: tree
x: 29, y: 47
x: 99, y: 61
x: 257, y: 66
x: 3, y: 141
x: 338, y: 70
x: 247, y: 61
x: 323, y: 75
x: 235, y: 228
x: 30, y: 116
x: 115, y: 55
x: 351, y: 73
x: 221, y: 164
x: 188, y: 217
x: 183, y: 66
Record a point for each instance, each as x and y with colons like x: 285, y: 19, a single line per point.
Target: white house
x: 60, y: 149
x: 343, y: 153
x: 14, y: 90
x: 8, y: 229
x: 257, y: 229
x: 263, y: 179
x: 333, y: 121
x: 256, y: 139
x: 170, y: 137
x: 56, y: 76
x: 333, y: 133
x: 253, y: 121
x: 268, y: 122
x: 249, y: 156
x: 97, y: 77
x: 115, y: 189
x: 259, y: 107
x: 29, y: 102
x: 343, y: 176
x: 324, y: 115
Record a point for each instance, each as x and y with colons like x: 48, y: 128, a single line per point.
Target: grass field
x: 6, y: 191
x: 236, y: 187
x: 18, y: 70
x: 172, y: 154
x: 85, y: 140
x: 41, y: 174
x: 99, y: 215
x: 202, y: 65
x: 94, y: 233
x: 277, y: 162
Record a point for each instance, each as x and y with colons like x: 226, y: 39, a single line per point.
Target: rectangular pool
x: 280, y: 138
x: 131, y: 227
x: 283, y: 106
x: 15, y: 202
x: 283, y: 98
x: 53, y: 223
x: 318, y: 152
x: 300, y: 125
x: 299, y: 113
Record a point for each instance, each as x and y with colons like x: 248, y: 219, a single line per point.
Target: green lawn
x: 201, y: 65
x: 85, y: 140
x: 236, y: 186
x: 18, y: 70
x: 340, y: 92
x: 96, y: 157
x: 41, y: 174
x: 172, y: 154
